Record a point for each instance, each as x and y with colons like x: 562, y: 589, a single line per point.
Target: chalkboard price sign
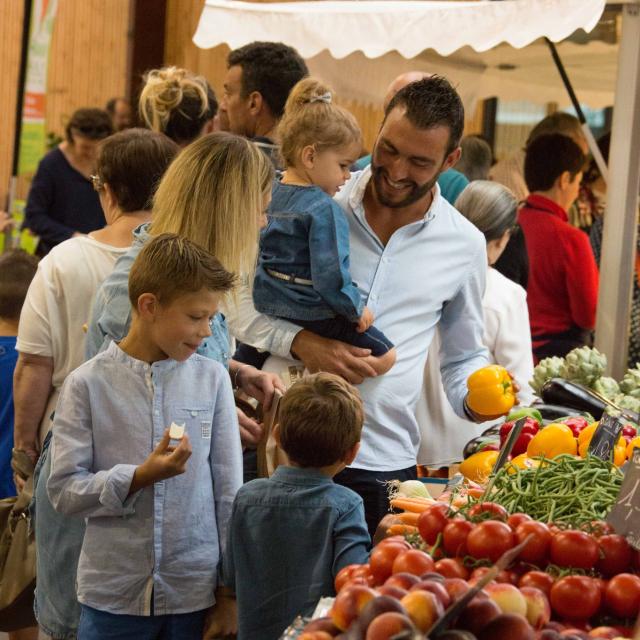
x: 605, y: 436
x: 625, y: 515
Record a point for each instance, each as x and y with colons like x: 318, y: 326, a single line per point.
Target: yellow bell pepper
x: 478, y: 467
x: 619, y: 451
x: 553, y: 440
x: 523, y: 461
x: 632, y: 445
x: 490, y: 391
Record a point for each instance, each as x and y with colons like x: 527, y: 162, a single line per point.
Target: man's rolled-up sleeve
x: 461, y: 329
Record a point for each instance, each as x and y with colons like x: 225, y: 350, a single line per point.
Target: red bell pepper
x: 531, y: 427
x: 629, y: 432
x: 576, y: 424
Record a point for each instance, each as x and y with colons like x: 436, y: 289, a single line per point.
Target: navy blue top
x: 61, y: 201
x: 289, y: 536
x: 8, y: 359
x: 307, y: 237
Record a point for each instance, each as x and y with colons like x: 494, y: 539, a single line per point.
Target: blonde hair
x: 312, y: 118
x: 170, y: 266
x: 321, y: 418
x: 177, y: 103
x: 213, y: 194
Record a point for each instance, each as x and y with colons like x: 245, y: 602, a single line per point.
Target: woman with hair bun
x: 493, y: 209
x: 177, y: 103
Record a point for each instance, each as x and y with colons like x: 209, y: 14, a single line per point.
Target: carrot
x: 401, y: 529
x: 408, y: 517
x: 416, y: 505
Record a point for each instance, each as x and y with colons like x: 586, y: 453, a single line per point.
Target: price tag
x: 605, y: 436
x: 625, y: 515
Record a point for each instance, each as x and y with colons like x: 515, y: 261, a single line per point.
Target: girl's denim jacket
x: 307, y: 237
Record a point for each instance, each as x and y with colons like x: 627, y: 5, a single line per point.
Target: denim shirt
x: 289, y: 536
x: 307, y: 237
x: 164, y: 542
x: 111, y: 315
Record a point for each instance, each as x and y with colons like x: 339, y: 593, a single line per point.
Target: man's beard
x: 418, y: 191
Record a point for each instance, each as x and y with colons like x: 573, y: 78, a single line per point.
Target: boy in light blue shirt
x: 157, y: 501
x: 299, y: 527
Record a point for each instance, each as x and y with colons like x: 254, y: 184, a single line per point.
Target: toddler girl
x: 303, y: 271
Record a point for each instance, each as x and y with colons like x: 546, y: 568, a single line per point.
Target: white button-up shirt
x: 431, y: 272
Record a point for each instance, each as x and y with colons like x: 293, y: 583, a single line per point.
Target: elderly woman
x: 51, y: 339
x: 493, y: 209
x: 62, y: 202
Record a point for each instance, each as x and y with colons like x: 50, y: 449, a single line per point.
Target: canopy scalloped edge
x: 376, y: 27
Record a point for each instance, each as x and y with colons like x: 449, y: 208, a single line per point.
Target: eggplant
x: 572, y: 395
x: 555, y: 413
x: 478, y: 444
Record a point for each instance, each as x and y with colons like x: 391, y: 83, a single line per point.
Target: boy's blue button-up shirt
x: 288, y: 538
x: 164, y: 542
x: 307, y: 237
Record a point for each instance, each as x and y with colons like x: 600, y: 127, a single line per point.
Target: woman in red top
x: 563, y: 277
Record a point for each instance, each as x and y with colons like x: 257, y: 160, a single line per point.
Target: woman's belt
x: 289, y: 278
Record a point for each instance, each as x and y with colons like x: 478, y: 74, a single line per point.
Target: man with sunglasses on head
x: 62, y: 202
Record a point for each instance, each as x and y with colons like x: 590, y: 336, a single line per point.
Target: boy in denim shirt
x: 156, y: 519
x: 290, y: 534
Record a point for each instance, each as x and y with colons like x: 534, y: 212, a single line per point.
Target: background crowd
x: 403, y: 277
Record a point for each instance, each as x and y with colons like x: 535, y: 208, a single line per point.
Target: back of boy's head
x: 548, y: 157
x: 17, y: 269
x: 312, y: 118
x: 320, y: 420
x: 170, y: 266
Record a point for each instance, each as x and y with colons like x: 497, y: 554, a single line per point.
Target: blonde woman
x: 215, y: 194
x: 178, y: 103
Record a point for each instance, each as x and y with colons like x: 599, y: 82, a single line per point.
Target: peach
x: 387, y: 625
x: 507, y: 626
x: 478, y: 614
x: 322, y: 624
x: 507, y: 597
x: 390, y: 590
x: 349, y: 603
x: 456, y: 587
x: 436, y: 588
x: 609, y: 633
x: 538, y: 608
x: 423, y: 607
x: 402, y: 580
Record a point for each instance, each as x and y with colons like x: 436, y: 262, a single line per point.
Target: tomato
x: 345, y: 574
x: 537, y: 549
x: 518, y: 518
x: 622, y: 595
x: 413, y: 561
x: 538, y: 579
x: 452, y: 568
x: 615, y: 555
x: 382, y: 558
x: 575, y: 597
x: 490, y: 539
x: 488, y: 511
x: 432, y: 521
x: 454, y: 537
x: 575, y: 549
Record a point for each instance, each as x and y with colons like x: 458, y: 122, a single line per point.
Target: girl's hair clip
x: 325, y: 97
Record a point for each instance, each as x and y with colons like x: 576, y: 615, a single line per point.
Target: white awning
x: 376, y: 27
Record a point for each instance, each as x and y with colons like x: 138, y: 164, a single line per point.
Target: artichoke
x: 630, y: 384
x: 584, y: 365
x: 545, y: 370
x: 606, y: 387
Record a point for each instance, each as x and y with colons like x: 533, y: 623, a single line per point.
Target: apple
x: 349, y: 603
x: 507, y: 597
x: 388, y: 625
x: 436, y: 588
x: 538, y: 608
x: 478, y: 614
x: 402, y: 580
x: 423, y: 607
x: 507, y: 626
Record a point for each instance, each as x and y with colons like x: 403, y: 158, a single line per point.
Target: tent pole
x: 591, y: 141
x: 617, y: 265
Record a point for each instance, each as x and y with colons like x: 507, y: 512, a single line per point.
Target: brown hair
x: 177, y: 103
x: 17, y: 269
x: 311, y: 118
x: 132, y: 162
x: 321, y: 418
x: 169, y: 266
x: 94, y: 124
